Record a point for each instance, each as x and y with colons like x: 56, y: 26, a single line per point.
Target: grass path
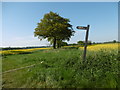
x: 12, y: 70
x: 17, y: 69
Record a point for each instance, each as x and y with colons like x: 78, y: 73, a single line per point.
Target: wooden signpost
x: 86, y: 39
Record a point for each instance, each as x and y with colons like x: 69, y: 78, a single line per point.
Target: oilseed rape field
x: 62, y: 68
x: 21, y: 51
x: 106, y: 47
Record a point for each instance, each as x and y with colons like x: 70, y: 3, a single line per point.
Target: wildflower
x: 41, y: 61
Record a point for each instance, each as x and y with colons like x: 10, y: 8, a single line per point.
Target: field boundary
x: 12, y: 70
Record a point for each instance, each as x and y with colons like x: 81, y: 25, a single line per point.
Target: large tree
x: 54, y: 27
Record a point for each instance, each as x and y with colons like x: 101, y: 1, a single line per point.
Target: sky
x: 19, y: 19
x: 60, y: 0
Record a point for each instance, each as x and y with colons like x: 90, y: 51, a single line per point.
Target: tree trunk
x: 54, y: 43
x: 58, y: 46
x: 58, y: 43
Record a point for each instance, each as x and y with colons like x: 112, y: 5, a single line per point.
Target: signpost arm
x: 86, y: 41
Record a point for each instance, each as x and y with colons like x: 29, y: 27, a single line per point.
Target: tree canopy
x: 54, y: 27
x: 80, y: 42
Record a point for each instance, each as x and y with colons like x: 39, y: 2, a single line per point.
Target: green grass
x: 62, y: 68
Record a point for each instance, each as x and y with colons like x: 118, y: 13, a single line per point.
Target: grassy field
x: 63, y: 68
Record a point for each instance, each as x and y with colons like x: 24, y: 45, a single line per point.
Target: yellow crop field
x: 102, y: 47
x: 97, y: 47
x: 21, y: 50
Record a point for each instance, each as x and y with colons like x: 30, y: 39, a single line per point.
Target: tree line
x: 80, y: 43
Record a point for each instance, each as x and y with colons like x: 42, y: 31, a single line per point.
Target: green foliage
x: 63, y: 68
x: 64, y: 44
x: 89, y: 42
x: 83, y: 42
x: 80, y: 42
x: 54, y: 28
x: 59, y: 42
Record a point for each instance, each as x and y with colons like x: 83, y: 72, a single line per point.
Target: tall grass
x: 63, y: 68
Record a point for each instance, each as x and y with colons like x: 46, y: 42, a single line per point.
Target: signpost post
x: 86, y: 39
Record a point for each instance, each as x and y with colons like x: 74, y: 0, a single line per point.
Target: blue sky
x: 19, y: 19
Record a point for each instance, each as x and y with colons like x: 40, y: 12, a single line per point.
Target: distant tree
x: 89, y: 42
x: 73, y: 44
x: 59, y: 43
x: 80, y: 42
x: 114, y: 41
x: 83, y: 42
x: 54, y: 28
x: 64, y: 44
x: 94, y: 43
